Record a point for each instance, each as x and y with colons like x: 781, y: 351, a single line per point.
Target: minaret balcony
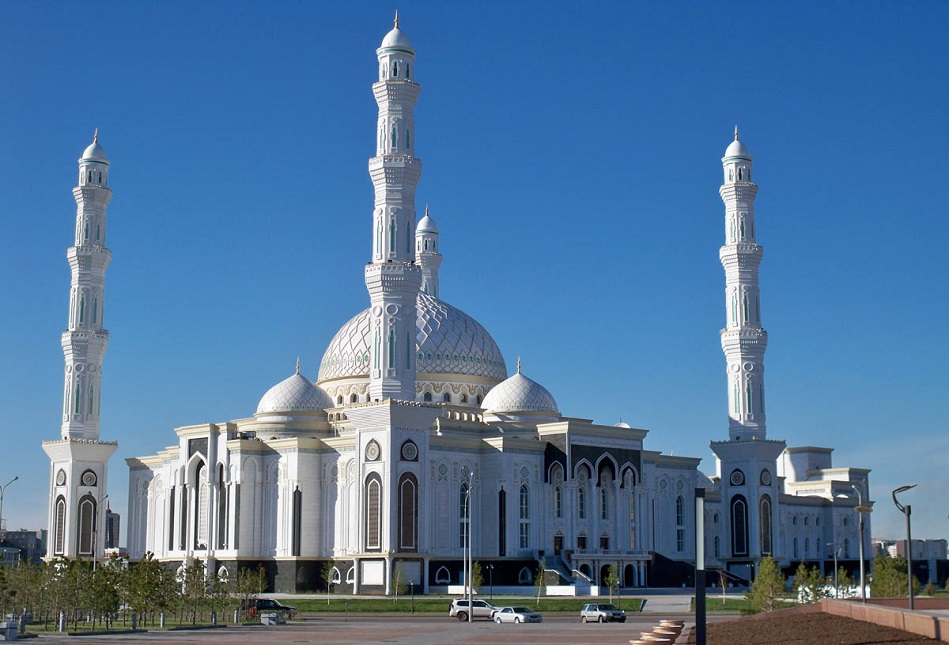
x: 396, y: 90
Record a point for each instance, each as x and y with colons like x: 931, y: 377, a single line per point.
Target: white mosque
x: 413, y: 439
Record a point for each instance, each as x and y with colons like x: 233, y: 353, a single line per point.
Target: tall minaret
x: 426, y: 248
x: 79, y: 461
x: 393, y: 278
x: 743, y: 339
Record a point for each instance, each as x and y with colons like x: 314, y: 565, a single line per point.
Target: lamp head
x: 901, y: 489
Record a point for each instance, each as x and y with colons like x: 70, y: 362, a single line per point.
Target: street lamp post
x: 469, y: 516
x: 861, y: 509
x: 95, y: 532
x: 491, y: 580
x: 2, y: 489
x: 907, y: 510
x: 412, y: 587
x: 836, y: 551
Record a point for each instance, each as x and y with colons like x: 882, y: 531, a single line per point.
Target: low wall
x: 916, y: 622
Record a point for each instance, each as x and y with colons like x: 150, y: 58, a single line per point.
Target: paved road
x: 425, y: 630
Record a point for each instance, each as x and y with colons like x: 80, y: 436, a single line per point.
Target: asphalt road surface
x: 427, y: 630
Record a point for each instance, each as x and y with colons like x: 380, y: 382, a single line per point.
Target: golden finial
x: 518, y: 364
x: 736, y: 132
x: 298, y: 364
x: 95, y: 137
x: 396, y: 18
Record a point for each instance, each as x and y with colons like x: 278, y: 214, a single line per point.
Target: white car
x: 601, y: 612
x: 516, y: 615
x: 482, y: 609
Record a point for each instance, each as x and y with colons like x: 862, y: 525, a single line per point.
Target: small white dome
x: 396, y: 38
x: 621, y: 424
x: 94, y: 152
x: 294, y: 394
x: 519, y: 394
x: 736, y: 148
x: 427, y: 225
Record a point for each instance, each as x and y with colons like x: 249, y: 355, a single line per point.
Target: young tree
x: 844, y: 581
x: 889, y: 578
x: 248, y: 584
x: 612, y: 580
x: 539, y: 579
x: 768, y: 584
x: 326, y: 575
x: 194, y: 588
x: 477, y: 575
x: 809, y: 584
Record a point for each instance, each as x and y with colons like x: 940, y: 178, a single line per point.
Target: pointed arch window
x: 581, y: 504
x: 734, y: 309
x: 222, y: 509
x: 764, y: 525
x: 395, y: 137
x: 373, y: 512
x: 739, y: 513
x: 408, y: 139
x: 392, y: 232
x: 427, y: 397
x: 717, y: 546
x: 98, y: 232
x: 297, y: 528
x: 731, y: 226
x: 407, y: 68
x: 77, y: 397
x: 395, y: 69
x: 87, y: 524
x: 201, y: 512
x: 748, y: 397
x: 60, y: 539
x: 524, y: 514
x: 744, y: 306
x: 82, y: 309
x: 85, y: 230
x: 375, y: 354
x: 95, y: 311
x: 408, y: 512
x: 741, y: 220
x: 91, y: 399
x: 736, y: 397
x: 680, y: 524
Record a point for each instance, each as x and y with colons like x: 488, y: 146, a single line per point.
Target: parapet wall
x: 885, y: 611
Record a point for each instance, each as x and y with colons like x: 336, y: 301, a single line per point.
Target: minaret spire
x: 743, y: 339
x: 393, y: 277
x: 396, y: 18
x: 79, y: 461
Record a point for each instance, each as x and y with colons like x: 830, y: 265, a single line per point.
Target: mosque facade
x: 414, y: 442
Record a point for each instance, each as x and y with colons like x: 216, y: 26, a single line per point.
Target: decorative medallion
x: 737, y: 478
x: 662, y: 484
x: 525, y: 473
x: 372, y: 451
x: 61, y: 478
x: 409, y: 451
x: 89, y: 478
x: 442, y: 470
x: 765, y: 478
x: 679, y: 484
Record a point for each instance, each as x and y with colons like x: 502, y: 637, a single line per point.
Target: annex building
x: 416, y: 435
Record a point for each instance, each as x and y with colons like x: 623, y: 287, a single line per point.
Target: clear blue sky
x: 572, y: 161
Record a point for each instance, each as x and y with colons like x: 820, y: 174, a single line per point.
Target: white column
x: 743, y: 339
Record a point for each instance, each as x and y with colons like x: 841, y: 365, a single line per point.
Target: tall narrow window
x: 502, y: 522
x: 741, y: 221
x: 717, y: 545
x: 744, y: 306
x: 373, y: 513
x: 408, y: 350
x: 408, y: 139
x: 98, y: 232
x: 731, y: 227
x: 764, y: 523
x: 680, y: 523
x: 395, y: 69
x: 408, y: 513
x: 76, y: 398
x: 391, y: 349
x: 171, y: 519
x: 60, y: 526
x: 91, y: 399
x: 297, y: 522
x: 581, y: 504
x: 82, y: 309
x: 757, y: 309
x: 794, y: 551
x: 524, y: 514
x: 748, y: 408
x: 734, y: 309
x: 382, y: 138
x: 85, y: 230
x: 739, y: 513
x: 379, y: 238
x: 736, y: 398
x: 201, y: 512
x: 395, y: 137
x: 87, y: 525
x: 391, y: 236
x: 407, y: 68
x: 558, y: 502
x: 604, y: 505
x: 222, y: 508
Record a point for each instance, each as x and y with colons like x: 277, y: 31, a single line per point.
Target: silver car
x: 516, y: 615
x: 601, y: 612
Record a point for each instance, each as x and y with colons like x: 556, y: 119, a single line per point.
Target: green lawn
x: 426, y: 604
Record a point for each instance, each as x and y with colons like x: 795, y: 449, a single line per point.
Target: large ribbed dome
x: 519, y: 394
x: 295, y: 394
x: 448, y: 341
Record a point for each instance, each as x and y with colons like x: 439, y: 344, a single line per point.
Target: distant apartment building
x: 112, y: 522
x: 24, y: 546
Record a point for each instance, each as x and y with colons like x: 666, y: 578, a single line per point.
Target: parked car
x: 258, y: 606
x: 479, y: 609
x: 601, y: 612
x: 516, y: 615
